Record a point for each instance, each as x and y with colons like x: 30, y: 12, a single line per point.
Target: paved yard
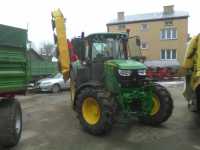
x: 50, y: 124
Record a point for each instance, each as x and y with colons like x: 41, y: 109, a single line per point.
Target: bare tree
x: 31, y: 45
x: 46, y: 49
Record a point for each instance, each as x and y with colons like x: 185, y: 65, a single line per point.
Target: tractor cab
x: 107, y: 46
x: 100, y: 47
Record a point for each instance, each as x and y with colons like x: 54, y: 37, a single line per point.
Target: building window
x: 173, y: 54
x: 144, y: 27
x: 168, y: 54
x: 121, y: 26
x: 144, y: 45
x: 168, y: 34
x: 168, y: 23
x: 168, y: 30
x: 162, y: 34
x: 162, y: 54
x: 174, y: 33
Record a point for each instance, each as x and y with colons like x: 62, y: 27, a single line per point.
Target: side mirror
x: 134, y: 39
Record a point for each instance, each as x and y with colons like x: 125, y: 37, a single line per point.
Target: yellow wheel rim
x: 91, y: 110
x: 156, y: 106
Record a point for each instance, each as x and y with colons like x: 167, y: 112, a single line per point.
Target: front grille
x: 132, y: 81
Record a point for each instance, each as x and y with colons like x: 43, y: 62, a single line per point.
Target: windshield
x: 57, y: 76
x: 107, y: 48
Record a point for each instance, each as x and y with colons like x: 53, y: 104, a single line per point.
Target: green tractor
x: 106, y: 85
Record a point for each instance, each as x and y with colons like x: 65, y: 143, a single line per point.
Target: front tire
x: 10, y: 123
x: 55, y: 88
x: 95, y: 111
x: 162, y: 107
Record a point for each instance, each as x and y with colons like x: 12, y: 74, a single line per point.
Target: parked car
x: 53, y: 84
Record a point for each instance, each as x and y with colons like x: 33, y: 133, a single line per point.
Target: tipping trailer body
x: 13, y: 61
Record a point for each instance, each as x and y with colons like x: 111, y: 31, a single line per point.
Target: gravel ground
x: 51, y: 124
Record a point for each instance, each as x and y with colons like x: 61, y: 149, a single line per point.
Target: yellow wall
x: 152, y: 37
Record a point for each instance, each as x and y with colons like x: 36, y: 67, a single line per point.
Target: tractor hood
x: 126, y: 64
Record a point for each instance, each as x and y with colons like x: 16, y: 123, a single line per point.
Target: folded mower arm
x: 60, y: 39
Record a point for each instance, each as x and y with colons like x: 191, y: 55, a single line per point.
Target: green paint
x: 126, y: 64
x: 127, y: 96
x: 42, y: 68
x: 13, y: 69
x: 13, y: 59
x: 141, y: 95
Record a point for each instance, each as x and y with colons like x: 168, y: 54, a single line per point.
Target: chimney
x: 169, y: 9
x: 120, y: 16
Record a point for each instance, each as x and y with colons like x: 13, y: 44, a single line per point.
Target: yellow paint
x: 189, y: 61
x: 63, y: 50
x: 198, y: 57
x: 156, y: 106
x: 193, y: 63
x: 91, y: 110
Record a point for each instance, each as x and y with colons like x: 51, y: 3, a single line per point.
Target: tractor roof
x: 107, y: 35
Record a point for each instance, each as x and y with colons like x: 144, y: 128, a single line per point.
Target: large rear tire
x: 95, y: 111
x: 162, y: 107
x: 10, y: 123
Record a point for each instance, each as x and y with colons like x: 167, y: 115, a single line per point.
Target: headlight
x: 142, y: 72
x: 125, y: 73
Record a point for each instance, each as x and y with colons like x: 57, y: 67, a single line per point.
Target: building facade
x: 163, y: 35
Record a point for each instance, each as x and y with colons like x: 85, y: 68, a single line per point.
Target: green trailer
x: 40, y: 67
x: 14, y: 76
x: 43, y: 68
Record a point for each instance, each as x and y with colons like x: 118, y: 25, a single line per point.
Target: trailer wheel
x: 10, y: 122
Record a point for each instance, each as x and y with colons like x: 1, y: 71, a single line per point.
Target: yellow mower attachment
x: 58, y: 24
x: 192, y: 61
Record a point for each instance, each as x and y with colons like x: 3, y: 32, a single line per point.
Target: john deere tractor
x: 105, y: 84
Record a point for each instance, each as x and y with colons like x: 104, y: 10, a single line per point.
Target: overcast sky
x: 84, y: 15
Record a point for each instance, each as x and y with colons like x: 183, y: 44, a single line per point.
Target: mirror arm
x: 125, y: 49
